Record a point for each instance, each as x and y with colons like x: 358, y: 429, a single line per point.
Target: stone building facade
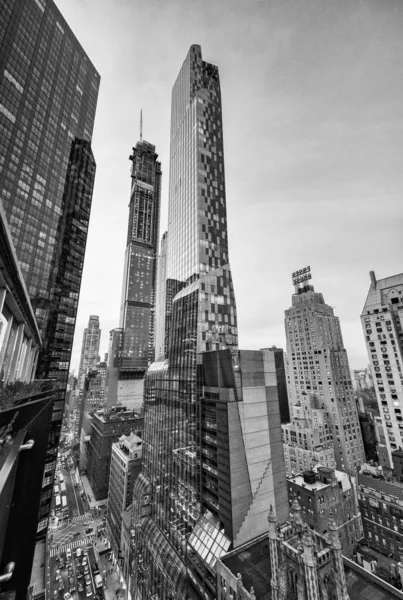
x: 307, y: 439
x: 323, y: 493
x: 304, y: 564
x: 107, y: 427
x: 381, y: 505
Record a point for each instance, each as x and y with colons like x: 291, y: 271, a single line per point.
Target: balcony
x: 19, y: 392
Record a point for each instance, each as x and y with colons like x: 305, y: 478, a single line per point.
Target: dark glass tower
x: 200, y: 316
x: 48, y: 96
x: 140, y: 270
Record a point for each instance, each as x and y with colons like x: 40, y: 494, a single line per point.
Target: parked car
x: 80, y: 586
x: 72, y: 585
x: 87, y: 579
x: 67, y: 596
x: 85, y: 560
x: 88, y: 590
x: 60, y: 585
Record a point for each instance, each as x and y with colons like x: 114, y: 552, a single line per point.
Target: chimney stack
x: 373, y: 278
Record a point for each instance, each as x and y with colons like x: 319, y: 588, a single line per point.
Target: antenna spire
x: 141, y: 125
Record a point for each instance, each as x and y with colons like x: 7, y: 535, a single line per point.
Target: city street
x: 74, y: 499
x: 77, y: 574
x: 74, y: 528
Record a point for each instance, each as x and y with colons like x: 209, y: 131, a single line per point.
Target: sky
x: 313, y: 128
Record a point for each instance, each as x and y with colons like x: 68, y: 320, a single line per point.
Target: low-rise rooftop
x: 381, y: 485
x: 116, y: 414
x: 319, y: 478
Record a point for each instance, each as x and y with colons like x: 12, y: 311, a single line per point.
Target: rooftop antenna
x: 141, y: 125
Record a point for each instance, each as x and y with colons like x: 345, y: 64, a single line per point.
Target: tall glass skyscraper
x: 160, y: 299
x: 140, y: 270
x: 90, y: 347
x: 200, y: 316
x: 48, y: 97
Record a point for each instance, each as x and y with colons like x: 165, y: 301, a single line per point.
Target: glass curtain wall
x: 200, y: 316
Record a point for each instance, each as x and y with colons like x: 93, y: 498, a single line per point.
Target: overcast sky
x: 313, y: 127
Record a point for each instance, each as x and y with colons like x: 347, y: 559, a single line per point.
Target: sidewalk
x: 107, y: 570
x: 88, y: 490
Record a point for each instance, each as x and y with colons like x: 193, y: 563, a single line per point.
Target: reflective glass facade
x: 48, y: 96
x: 140, y: 270
x: 54, y: 359
x: 200, y: 315
x: 160, y: 300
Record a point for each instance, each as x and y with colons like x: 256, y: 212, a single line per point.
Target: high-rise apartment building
x: 307, y: 439
x: 48, y: 97
x: 382, y: 321
x: 382, y: 450
x: 90, y: 348
x: 362, y: 379
x: 319, y: 369
x: 92, y: 397
x: 125, y: 467
x: 212, y: 453
x: 140, y: 270
x: 160, y: 299
x: 135, y: 336
x: 281, y: 376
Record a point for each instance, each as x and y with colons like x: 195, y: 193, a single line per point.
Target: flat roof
x: 299, y: 480
x: 361, y: 588
x: 123, y: 415
x: 319, y: 485
x: 253, y: 564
